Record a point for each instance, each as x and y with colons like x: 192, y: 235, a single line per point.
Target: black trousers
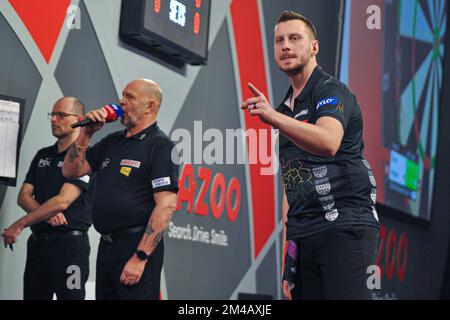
x: 57, y: 266
x: 333, y: 264
x: 111, y: 259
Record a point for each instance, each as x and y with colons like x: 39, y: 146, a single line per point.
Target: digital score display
x: 174, y: 30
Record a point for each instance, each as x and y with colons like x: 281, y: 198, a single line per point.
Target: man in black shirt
x: 329, y: 189
x: 59, y: 213
x: 136, y: 191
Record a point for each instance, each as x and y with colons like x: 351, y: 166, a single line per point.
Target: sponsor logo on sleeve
x: 327, y: 101
x: 161, y: 182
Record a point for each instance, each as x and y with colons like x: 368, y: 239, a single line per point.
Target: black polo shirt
x: 45, y: 174
x: 129, y: 171
x: 323, y: 192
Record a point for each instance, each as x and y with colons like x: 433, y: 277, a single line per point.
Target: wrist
x: 21, y: 224
x: 276, y: 119
x: 82, y: 143
x: 141, y: 255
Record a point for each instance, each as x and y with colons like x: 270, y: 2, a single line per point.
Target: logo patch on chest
x: 104, y: 164
x: 125, y: 171
x: 130, y: 163
x: 44, y: 162
x: 301, y: 113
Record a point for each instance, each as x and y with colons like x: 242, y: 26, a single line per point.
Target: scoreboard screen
x: 172, y: 29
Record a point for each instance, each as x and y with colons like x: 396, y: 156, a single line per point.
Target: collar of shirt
x: 303, y: 96
x: 55, y: 151
x: 141, y: 135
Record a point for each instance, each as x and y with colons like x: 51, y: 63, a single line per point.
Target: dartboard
x: 413, y: 57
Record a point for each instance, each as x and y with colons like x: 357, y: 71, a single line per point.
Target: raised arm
x: 75, y: 164
x: 322, y: 138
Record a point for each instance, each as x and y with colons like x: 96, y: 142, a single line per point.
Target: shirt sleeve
x: 82, y: 182
x: 164, y: 171
x: 95, y: 154
x: 333, y: 100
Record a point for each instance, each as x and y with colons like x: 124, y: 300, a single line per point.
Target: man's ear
x: 151, y: 107
x: 315, y: 47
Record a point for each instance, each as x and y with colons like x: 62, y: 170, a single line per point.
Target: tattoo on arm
x: 158, y: 238
x: 149, y: 231
x: 75, y: 152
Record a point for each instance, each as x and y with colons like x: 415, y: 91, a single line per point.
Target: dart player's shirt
x: 324, y: 192
x: 130, y: 170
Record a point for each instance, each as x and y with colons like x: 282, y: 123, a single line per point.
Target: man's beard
x: 127, y: 123
x: 297, y: 69
x: 294, y: 70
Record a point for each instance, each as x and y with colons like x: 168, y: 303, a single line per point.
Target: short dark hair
x: 291, y: 15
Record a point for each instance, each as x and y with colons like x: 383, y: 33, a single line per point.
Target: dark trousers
x: 111, y: 260
x: 333, y: 264
x: 57, y: 266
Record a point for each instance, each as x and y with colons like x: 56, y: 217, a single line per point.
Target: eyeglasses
x: 60, y: 115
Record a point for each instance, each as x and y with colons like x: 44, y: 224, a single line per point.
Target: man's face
x: 293, y: 46
x: 134, y: 104
x: 61, y: 119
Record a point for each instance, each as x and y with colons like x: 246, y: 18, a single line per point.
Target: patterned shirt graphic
x: 323, y: 192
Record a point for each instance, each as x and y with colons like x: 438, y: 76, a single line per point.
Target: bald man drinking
x: 136, y: 193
